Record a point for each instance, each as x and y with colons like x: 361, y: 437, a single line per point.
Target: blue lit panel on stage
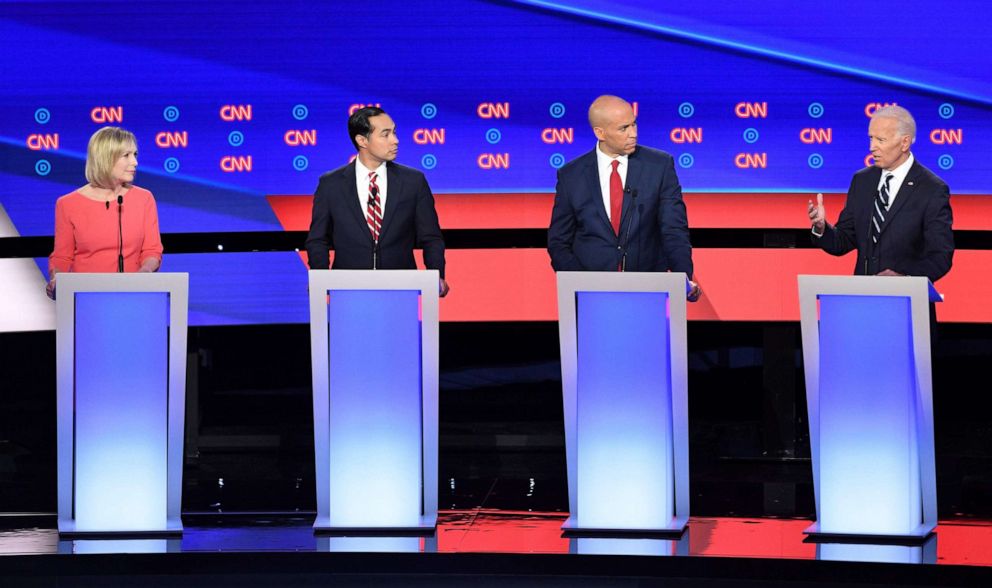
x: 624, y: 420
x: 374, y: 364
x: 869, y: 464
x: 370, y: 544
x: 895, y: 554
x: 121, y: 377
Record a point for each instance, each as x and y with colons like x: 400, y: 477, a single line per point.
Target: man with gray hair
x: 897, y: 214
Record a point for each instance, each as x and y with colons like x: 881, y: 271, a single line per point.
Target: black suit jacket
x: 654, y: 230
x: 916, y: 239
x: 409, y: 221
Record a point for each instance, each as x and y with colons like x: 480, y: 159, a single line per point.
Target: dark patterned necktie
x: 373, y: 212
x: 881, y: 209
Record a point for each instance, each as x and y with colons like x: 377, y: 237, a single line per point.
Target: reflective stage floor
x: 487, y: 547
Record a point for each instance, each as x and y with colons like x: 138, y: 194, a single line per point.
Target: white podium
x: 624, y: 384
x: 374, y: 349
x: 121, y: 349
x: 866, y: 348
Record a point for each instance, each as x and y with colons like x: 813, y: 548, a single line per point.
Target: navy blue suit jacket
x: 654, y: 231
x: 916, y: 238
x: 409, y: 221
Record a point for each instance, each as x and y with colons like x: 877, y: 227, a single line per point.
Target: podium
x: 121, y: 400
x: 866, y: 348
x: 624, y: 384
x: 374, y: 350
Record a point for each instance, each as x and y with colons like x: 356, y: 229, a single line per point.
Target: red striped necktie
x: 373, y: 212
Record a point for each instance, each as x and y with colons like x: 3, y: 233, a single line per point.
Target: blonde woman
x: 108, y: 225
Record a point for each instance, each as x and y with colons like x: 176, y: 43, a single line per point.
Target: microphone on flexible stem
x: 120, y: 233
x: 626, y: 235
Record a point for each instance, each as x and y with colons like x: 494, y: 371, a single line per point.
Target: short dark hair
x: 358, y: 122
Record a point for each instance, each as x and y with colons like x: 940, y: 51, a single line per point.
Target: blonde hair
x: 106, y: 146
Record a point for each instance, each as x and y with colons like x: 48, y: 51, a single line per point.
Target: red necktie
x: 616, y: 197
x: 373, y: 211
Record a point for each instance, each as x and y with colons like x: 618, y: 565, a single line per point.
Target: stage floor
x: 482, y: 546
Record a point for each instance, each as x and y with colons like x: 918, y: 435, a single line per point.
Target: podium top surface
x: 817, y: 285
x: 623, y: 282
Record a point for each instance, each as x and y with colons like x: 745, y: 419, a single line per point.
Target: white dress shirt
x: 362, y: 183
x: 898, y: 177
x: 604, y: 164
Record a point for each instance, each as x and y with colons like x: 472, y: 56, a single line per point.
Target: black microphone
x: 107, y: 203
x: 120, y: 233
x: 626, y: 236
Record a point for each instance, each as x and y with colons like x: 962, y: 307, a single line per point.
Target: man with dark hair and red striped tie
x: 373, y: 212
x: 897, y: 214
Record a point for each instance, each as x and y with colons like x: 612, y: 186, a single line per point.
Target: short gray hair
x: 907, y: 126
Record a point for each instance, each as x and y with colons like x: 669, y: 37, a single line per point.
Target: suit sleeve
x: 561, y: 232
x: 840, y: 238
x: 429, y: 236
x: 674, y: 223
x: 938, y: 238
x: 320, y: 237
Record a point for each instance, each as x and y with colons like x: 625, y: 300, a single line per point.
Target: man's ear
x: 363, y: 141
x: 598, y: 131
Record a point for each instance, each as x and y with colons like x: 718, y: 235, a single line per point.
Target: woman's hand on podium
x: 50, y: 287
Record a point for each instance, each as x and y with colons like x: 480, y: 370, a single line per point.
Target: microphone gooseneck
x: 120, y: 233
x: 626, y: 234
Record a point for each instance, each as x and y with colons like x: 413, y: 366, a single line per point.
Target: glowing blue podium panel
x: 623, y: 356
x: 866, y: 346
x: 374, y: 346
x: 121, y: 344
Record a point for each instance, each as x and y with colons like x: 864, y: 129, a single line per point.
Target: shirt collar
x: 603, y: 160
x: 363, y: 172
x: 899, y: 174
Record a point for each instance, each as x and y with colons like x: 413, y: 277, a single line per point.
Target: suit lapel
x: 394, y: 186
x: 905, y: 192
x: 592, y: 180
x: 350, y: 192
x: 634, y: 167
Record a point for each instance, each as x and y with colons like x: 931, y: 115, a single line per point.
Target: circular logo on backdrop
x: 301, y: 112
x: 945, y: 110
x: 686, y: 109
x: 428, y: 161
x: 557, y: 110
x: 236, y: 138
x: 493, y: 136
x: 815, y: 161
x: 301, y: 163
x: 751, y: 135
x: 42, y: 167
x: 171, y: 165
x: 815, y: 110
x: 557, y: 160
x: 42, y: 116
x: 686, y: 160
x: 945, y: 161
x: 428, y: 110
x: 170, y: 113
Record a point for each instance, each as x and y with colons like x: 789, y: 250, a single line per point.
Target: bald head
x: 612, y: 120
x: 606, y: 107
